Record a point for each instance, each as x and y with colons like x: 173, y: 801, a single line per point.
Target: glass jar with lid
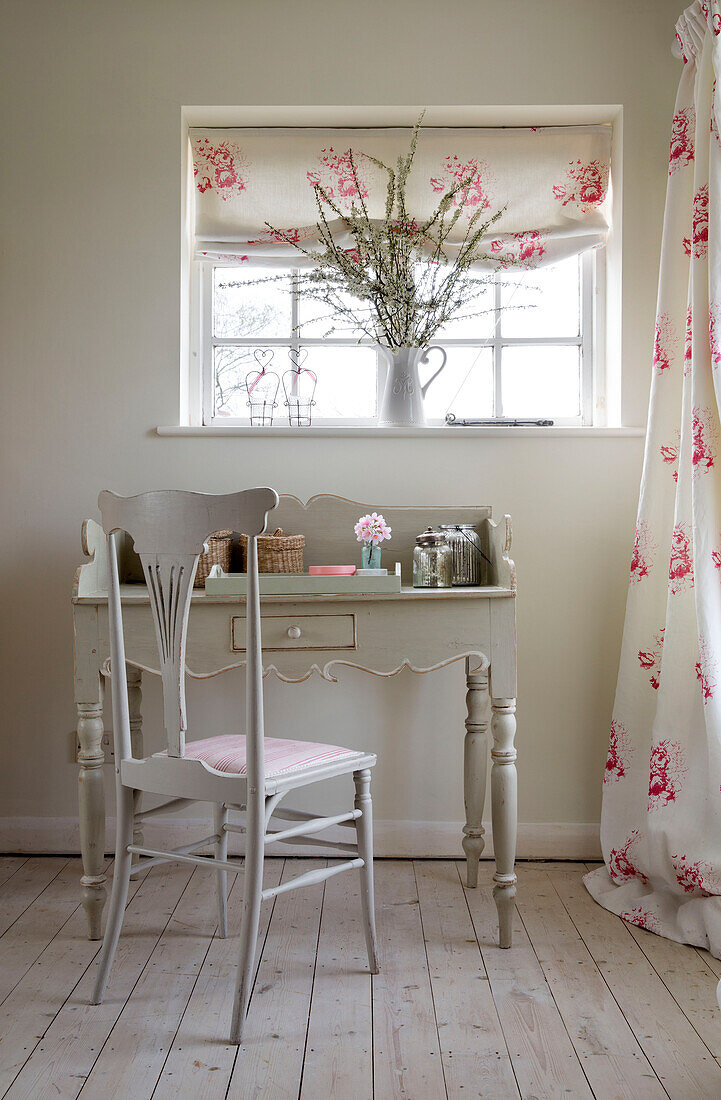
x: 468, y: 556
x: 432, y: 560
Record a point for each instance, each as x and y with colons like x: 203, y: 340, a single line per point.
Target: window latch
x: 499, y: 422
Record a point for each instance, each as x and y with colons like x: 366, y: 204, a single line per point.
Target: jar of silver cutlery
x: 432, y: 560
x: 468, y: 556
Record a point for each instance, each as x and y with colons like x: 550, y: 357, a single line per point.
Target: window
x: 527, y: 351
x: 535, y: 348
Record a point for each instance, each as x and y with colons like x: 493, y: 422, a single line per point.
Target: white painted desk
x: 421, y: 629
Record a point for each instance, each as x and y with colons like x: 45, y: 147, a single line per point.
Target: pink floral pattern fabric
x: 680, y: 567
x: 334, y: 173
x: 664, y: 343
x: 682, y: 135
x: 714, y: 333
x: 688, y: 340
x: 584, y: 186
x: 644, y: 552
x: 669, y: 454
x: 525, y: 250
x: 661, y: 818
x: 650, y: 659
x: 218, y: 166
x: 704, y: 433
x: 255, y: 190
x: 706, y: 670
x: 699, y: 224
x: 476, y: 177
x: 643, y: 918
x: 620, y: 751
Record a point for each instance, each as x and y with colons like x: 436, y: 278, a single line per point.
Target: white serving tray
x: 298, y: 584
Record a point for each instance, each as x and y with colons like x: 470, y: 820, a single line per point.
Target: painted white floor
x: 583, y: 1005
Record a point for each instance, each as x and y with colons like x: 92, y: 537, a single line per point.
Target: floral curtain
x: 661, y: 820
x: 553, y: 182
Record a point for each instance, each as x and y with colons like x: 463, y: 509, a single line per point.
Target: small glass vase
x: 370, y: 556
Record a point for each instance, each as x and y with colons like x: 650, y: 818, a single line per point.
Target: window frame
x: 590, y: 324
x: 607, y: 417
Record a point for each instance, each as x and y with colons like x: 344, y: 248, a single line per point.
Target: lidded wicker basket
x: 219, y: 544
x: 277, y: 553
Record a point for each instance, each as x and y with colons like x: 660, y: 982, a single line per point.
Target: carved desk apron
x: 420, y: 629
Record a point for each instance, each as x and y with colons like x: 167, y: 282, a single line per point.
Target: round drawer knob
x: 294, y: 633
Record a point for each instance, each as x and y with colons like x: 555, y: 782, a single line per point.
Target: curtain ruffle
x: 692, y: 25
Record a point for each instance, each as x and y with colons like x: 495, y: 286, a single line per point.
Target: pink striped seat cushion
x: 226, y: 753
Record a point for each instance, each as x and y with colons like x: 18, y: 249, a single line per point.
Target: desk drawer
x: 298, y: 632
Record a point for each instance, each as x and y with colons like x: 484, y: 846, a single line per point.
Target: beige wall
x: 91, y: 98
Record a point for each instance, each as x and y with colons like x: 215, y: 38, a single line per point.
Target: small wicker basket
x: 219, y: 545
x: 277, y: 553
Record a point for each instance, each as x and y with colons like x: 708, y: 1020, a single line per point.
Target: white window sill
x: 441, y: 431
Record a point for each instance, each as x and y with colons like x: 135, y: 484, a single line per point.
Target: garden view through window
x: 523, y: 350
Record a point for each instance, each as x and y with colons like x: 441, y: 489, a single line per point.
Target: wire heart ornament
x: 299, y: 385
x: 263, y: 357
x: 262, y: 387
x: 297, y: 357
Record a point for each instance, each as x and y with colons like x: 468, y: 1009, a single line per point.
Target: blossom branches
x: 404, y: 283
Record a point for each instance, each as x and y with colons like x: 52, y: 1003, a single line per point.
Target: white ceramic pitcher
x: 402, y: 403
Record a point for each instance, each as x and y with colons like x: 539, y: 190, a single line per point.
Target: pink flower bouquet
x: 372, y: 529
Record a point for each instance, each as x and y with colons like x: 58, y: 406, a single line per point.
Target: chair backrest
x: 169, y: 529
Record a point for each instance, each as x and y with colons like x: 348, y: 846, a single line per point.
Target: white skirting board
x: 399, y: 839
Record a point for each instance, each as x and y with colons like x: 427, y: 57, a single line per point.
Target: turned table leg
x: 504, y: 812
x: 135, y: 699
x: 475, y: 752
x: 91, y: 799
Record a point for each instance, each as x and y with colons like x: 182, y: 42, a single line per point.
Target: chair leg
x: 364, y: 831
x: 252, y: 890
x: 119, y: 895
x: 220, y: 818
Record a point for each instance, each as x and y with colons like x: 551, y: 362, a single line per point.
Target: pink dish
x: 331, y: 570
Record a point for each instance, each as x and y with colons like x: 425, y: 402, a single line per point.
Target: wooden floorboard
x: 270, y: 1059
x: 22, y: 889
x: 690, y: 981
x: 541, y: 1052
x: 201, y: 1059
x: 583, y: 1005
x: 339, y: 1048
x: 135, y: 1051
x: 713, y: 964
x: 26, y: 939
x: 35, y: 1002
x: 9, y: 865
x: 681, y: 1060
x: 67, y: 1052
x: 473, y: 1047
x: 610, y: 1055
x: 406, y: 1049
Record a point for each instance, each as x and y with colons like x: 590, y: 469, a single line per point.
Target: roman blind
x: 553, y: 183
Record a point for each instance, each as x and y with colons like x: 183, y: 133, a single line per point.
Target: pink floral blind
x: 553, y: 182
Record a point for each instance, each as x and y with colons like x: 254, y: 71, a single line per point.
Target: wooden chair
x: 247, y: 772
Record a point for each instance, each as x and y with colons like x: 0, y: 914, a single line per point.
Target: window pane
x: 476, y: 319
x: 346, y: 382
x: 465, y: 387
x: 318, y: 321
x: 244, y: 307
x: 541, y: 381
x: 232, y: 364
x: 542, y: 303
